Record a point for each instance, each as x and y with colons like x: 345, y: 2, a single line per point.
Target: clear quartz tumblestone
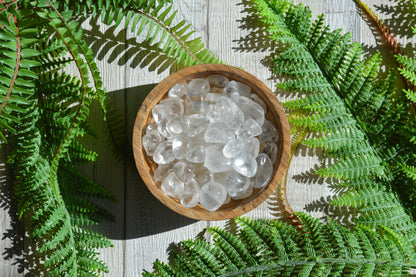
x: 217, y: 81
x: 175, y: 104
x: 197, y: 100
x: 150, y: 141
x: 196, y: 124
x: 172, y: 186
x: 246, y: 194
x: 179, y: 90
x: 246, y: 165
x: 163, y: 153
x: 190, y: 196
x: 251, y: 110
x: 212, y: 196
x: 264, y: 171
x: 236, y: 184
x: 176, y: 125
x: 196, y: 154
x: 270, y: 150
x: 180, y: 146
x: 199, y: 84
x: 151, y: 127
x: 162, y: 127
x: 233, y: 148
x: 161, y: 111
x: 257, y: 99
x: 237, y: 87
x: 252, y: 146
x: 218, y: 132
x: 250, y: 128
x: 226, y: 111
x: 183, y: 170
x: 215, y: 160
x: 202, y: 175
x: 269, y: 133
x: 162, y: 171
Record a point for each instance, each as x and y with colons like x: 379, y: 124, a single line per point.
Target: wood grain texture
x: 146, y: 229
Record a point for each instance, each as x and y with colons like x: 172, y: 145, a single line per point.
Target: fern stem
x: 14, y: 2
x: 16, y: 70
x: 170, y: 32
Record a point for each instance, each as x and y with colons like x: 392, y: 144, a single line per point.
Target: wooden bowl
x: 275, y: 114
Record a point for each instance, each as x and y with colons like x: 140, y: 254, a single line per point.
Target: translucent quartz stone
x: 227, y: 200
x: 162, y: 171
x: 218, y: 80
x: 251, y: 146
x: 270, y: 150
x: 163, y: 153
x: 176, y: 125
x: 179, y: 90
x: 180, y: 146
x: 246, y: 165
x: 235, y: 96
x: 212, y: 196
x: 226, y: 111
x: 196, y: 154
x: 246, y: 194
x: 172, y: 186
x: 190, y: 196
x: 251, y: 110
x: 250, y: 128
x: 151, y: 127
x: 160, y: 112
x: 264, y: 171
x: 162, y: 127
x: 214, y: 90
x: 236, y: 184
x: 197, y: 100
x: 175, y: 104
x: 221, y: 177
x: 240, y: 88
x: 212, y: 97
x: 233, y: 148
x: 218, y: 132
x: 269, y: 133
x: 189, y: 109
x: 257, y: 99
x: 150, y: 141
x: 196, y: 124
x: 215, y: 160
x: 199, y: 84
x: 202, y: 175
x: 183, y: 170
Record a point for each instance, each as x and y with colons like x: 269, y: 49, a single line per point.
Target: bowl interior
x: 274, y: 113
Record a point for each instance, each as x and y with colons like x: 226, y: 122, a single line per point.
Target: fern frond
x: 336, y: 251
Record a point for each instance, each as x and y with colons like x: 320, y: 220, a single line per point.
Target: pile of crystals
x: 211, y: 142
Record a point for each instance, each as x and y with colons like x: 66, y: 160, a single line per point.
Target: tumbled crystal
x: 151, y: 127
x: 199, y: 84
x: 190, y: 196
x: 162, y: 127
x: 252, y: 146
x: 212, y: 97
x: 202, y: 175
x: 251, y: 110
x: 189, y: 109
x: 270, y: 150
x: 217, y: 91
x: 218, y: 132
x: 215, y: 160
x: 180, y: 146
x: 226, y: 111
x: 176, y: 125
x: 163, y: 153
x: 233, y: 148
x: 258, y: 100
x: 175, y: 104
x: 246, y: 165
x: 236, y: 184
x: 250, y: 128
x: 227, y: 200
x: 196, y: 124
x: 197, y: 100
x: 172, y: 186
x: 246, y: 194
x: 161, y: 111
x: 162, y: 171
x: 264, y: 171
x: 179, y: 90
x: 217, y: 80
x: 183, y: 170
x: 150, y: 141
x: 196, y: 154
x: 212, y: 196
x: 237, y: 87
x: 269, y: 132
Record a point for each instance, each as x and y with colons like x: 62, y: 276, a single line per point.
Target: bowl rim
x: 159, y: 92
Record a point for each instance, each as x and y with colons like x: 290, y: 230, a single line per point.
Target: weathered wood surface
x: 145, y: 229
